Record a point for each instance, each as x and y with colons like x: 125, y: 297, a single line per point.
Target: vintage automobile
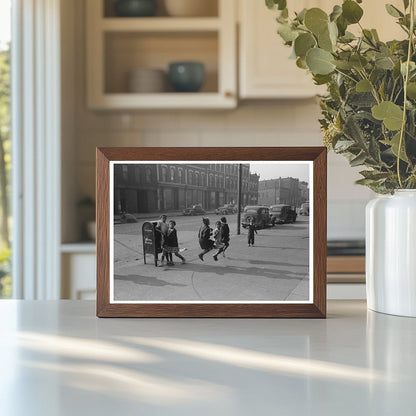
x: 259, y: 214
x: 194, y: 210
x: 282, y: 214
x: 226, y: 209
x: 304, y: 209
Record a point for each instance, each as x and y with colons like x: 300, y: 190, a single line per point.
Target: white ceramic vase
x: 391, y: 253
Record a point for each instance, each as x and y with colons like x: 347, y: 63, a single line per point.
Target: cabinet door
x: 265, y: 68
x: 266, y: 71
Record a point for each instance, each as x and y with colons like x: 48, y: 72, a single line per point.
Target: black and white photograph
x: 211, y: 232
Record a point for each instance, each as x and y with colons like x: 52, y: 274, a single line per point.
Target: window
x: 125, y: 172
x: 172, y: 174
x: 5, y: 145
x: 164, y: 174
x: 137, y: 174
x: 180, y: 175
x: 148, y: 175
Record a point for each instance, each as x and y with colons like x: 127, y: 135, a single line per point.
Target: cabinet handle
x: 229, y: 94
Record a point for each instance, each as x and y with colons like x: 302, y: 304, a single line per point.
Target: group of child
x: 168, y: 238
x: 221, y: 239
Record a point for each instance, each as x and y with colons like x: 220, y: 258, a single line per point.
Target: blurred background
x: 98, y: 73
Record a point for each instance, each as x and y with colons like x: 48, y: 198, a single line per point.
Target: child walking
x: 225, y: 234
x: 218, y: 244
x: 171, y: 244
x: 251, y: 231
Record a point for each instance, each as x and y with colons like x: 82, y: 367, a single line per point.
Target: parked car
x: 194, y: 210
x: 226, y: 209
x: 304, y: 209
x: 260, y: 215
x: 282, y: 214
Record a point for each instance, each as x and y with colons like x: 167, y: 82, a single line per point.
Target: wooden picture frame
x: 137, y: 296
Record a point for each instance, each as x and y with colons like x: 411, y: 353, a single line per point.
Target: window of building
x: 137, y: 174
x: 125, y: 172
x: 148, y: 175
x: 164, y: 174
x: 172, y: 174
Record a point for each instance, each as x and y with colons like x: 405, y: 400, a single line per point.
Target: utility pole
x: 239, y: 180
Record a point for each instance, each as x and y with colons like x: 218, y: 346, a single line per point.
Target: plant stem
x: 405, y: 81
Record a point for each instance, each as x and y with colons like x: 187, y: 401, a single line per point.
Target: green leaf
x: 336, y: 12
x: 342, y: 25
x: 343, y: 145
x: 358, y: 160
x: 301, y: 63
x: 319, y: 61
x: 394, y: 143
x: 351, y: 11
x: 321, y: 79
x: 325, y: 42
x: 384, y: 62
x: 393, y: 11
x: 316, y: 20
x: 406, y: 4
x: 347, y: 37
x: 363, y: 86
x: 375, y: 35
x: 301, y: 15
x: 276, y: 4
x: 358, y: 61
x: 345, y: 65
x: 411, y: 90
x: 303, y: 43
x: 391, y: 114
x: 374, y: 174
x: 287, y: 33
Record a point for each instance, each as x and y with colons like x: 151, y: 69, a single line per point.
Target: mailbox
x: 151, y: 240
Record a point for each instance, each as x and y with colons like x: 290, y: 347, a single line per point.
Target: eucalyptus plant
x: 369, y: 111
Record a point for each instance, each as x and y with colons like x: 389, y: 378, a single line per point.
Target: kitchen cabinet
x: 265, y: 70
x: 118, y: 45
x: 78, y: 262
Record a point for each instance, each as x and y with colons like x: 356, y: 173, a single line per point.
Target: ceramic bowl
x: 147, y: 80
x: 135, y: 8
x: 186, y: 76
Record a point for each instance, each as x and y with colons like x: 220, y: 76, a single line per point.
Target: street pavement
x: 275, y: 269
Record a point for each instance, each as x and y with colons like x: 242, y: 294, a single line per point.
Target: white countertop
x: 57, y: 358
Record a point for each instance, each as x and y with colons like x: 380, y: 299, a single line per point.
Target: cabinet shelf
x: 160, y: 24
x: 198, y: 100
x: 116, y: 46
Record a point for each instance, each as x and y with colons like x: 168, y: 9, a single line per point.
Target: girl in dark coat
x: 225, y: 234
x: 171, y: 244
x: 251, y: 231
x: 205, y: 241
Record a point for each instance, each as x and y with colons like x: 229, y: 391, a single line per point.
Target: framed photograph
x: 211, y: 232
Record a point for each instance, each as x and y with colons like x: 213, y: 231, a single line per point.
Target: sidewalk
x: 275, y: 269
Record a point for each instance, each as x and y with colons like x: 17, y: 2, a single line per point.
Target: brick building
x: 172, y: 186
x: 282, y: 191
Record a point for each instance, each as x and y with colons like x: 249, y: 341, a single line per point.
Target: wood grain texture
x: 317, y: 309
